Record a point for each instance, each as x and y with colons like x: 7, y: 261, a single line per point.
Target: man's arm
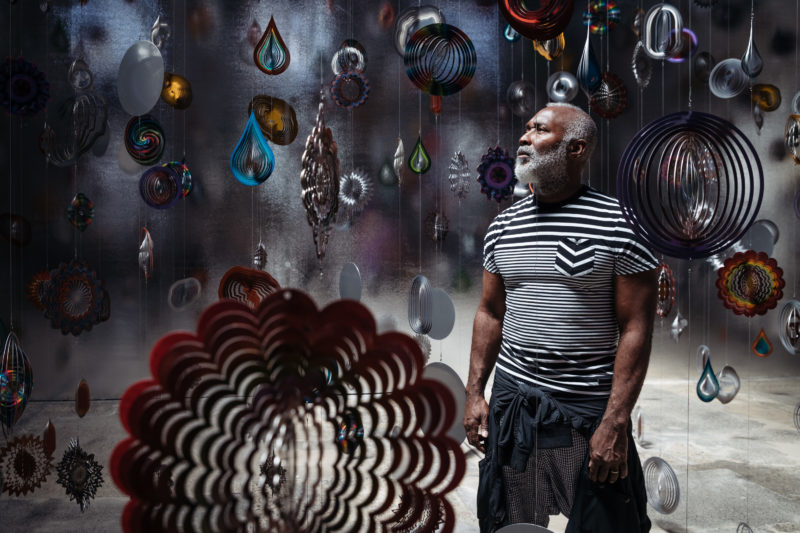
x: 487, y: 332
x: 635, y: 303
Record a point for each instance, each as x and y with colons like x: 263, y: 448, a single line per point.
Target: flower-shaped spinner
x: 24, y: 464
x: 242, y: 416
x: 24, y: 90
x: 74, y: 298
x: 750, y: 283
x: 496, y: 174
x: 79, y: 474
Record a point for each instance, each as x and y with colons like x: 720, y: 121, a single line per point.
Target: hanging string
x: 796, y: 191
x: 688, y: 381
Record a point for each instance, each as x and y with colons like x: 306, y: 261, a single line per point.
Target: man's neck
x: 557, y: 197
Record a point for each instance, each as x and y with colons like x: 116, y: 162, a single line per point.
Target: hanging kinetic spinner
x: 260, y: 257
x: 183, y: 293
x: 286, y: 359
x: 355, y: 191
x: 350, y: 57
x: 399, y: 161
x: 160, y: 32
x: 80, y: 122
x: 662, y: 31
x: 146, y: 256
x: 144, y: 139
x: 319, y: 179
x: 641, y: 65
x: 708, y: 384
x: 276, y: 118
x: 83, y: 399
x: 79, y: 474
x: 24, y: 90
x: 16, y: 383
x: 436, y: 226
x: 271, y: 54
x: 160, y: 187
x: 252, y: 161
x: 750, y: 283
x: 177, y: 91
x: 459, y: 175
x: 350, y: 89
x: 49, y: 440
x: 761, y: 346
x: 24, y: 464
x: 80, y: 212
x: 792, y: 137
x: 666, y: 290
x: 690, y: 184
x: 541, y: 24
x: 496, y: 174
x: 75, y: 299
x: 789, y: 327
x: 440, y: 59
x: 611, y: 97
x: 419, y: 161
x: 562, y: 86
x: 678, y: 326
x: 247, y: 285
x: 36, y: 289
x: 551, y: 48
x: 184, y: 176
x: 588, y: 74
x: 601, y: 16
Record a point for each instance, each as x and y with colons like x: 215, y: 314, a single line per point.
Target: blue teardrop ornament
x: 708, y: 385
x: 252, y: 161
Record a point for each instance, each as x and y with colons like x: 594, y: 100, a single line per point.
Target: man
x: 566, y: 316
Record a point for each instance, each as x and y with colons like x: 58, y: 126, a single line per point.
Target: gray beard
x: 547, y: 172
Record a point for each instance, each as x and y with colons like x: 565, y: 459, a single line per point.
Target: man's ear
x: 576, y: 149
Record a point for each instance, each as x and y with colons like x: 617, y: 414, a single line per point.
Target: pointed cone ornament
x: 83, y: 399
x: 271, y: 54
x: 49, y: 438
x: 260, y: 257
x: 589, y: 76
x: 399, y: 160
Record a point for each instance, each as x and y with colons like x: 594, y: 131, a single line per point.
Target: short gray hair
x: 583, y: 127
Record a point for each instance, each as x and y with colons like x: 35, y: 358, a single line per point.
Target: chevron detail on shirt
x: 558, y: 263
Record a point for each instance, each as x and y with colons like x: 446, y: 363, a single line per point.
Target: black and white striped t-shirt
x: 558, y: 263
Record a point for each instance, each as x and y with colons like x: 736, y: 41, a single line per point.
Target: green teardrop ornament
x: 419, y: 161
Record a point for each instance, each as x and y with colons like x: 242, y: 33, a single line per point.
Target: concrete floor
x: 742, y: 459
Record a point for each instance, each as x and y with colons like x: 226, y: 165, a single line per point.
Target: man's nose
x: 524, y: 140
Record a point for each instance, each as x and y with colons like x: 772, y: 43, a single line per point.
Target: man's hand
x: 476, y: 421
x: 608, y: 453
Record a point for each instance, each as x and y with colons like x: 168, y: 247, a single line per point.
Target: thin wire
x: 688, y: 386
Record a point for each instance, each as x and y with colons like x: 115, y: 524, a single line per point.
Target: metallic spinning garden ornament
x: 79, y: 474
x: 750, y: 283
x: 496, y: 174
x: 16, y: 383
x: 548, y: 21
x: 75, y: 299
x: 459, y: 175
x: 690, y: 184
x: 319, y: 179
x: 25, y: 465
x: 355, y: 191
x: 271, y: 383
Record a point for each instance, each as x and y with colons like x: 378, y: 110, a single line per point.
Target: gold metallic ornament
x: 766, y: 96
x: 551, y: 49
x: 177, y: 91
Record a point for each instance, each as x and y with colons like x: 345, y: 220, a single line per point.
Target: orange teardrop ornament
x: 82, y: 399
x: 49, y: 437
